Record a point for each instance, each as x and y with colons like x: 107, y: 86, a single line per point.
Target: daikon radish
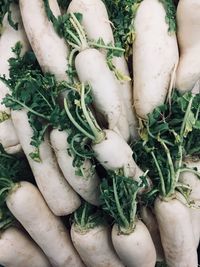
x: 188, y: 21
x: 95, y: 13
x: 111, y: 150
x: 17, y: 249
x: 58, y: 194
x: 10, y: 36
x: 50, y: 50
x: 131, y: 238
x: 150, y: 221
x: 176, y: 233
x: 191, y: 178
x: 155, y: 53
x: 87, y: 186
x: 92, y: 239
x: 89, y: 63
x: 27, y: 205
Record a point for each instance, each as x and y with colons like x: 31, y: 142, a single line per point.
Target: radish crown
x: 170, y: 133
x: 119, y: 200
x: 87, y: 217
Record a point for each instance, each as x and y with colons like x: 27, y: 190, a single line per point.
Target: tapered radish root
x: 27, y: 205
x: 50, y: 50
x: 58, y: 194
x: 87, y: 186
x: 176, y: 233
x: 188, y: 20
x: 154, y: 58
x: 17, y: 249
x: 8, y: 40
x: 95, y: 246
x: 137, y: 248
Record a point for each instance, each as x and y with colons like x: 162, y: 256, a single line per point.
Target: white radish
x: 29, y: 208
x: 114, y: 153
x: 17, y: 249
x: 50, y: 50
x: 131, y: 238
x: 155, y: 54
x: 92, y: 68
x: 193, y: 181
x: 151, y: 223
x: 137, y: 248
x: 86, y: 186
x: 8, y: 40
x: 58, y: 194
x: 95, y: 246
x: 97, y: 25
x: 127, y: 94
x: 95, y: 19
x: 176, y: 233
x: 188, y: 21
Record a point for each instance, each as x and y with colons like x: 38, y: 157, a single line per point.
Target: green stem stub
x: 119, y: 200
x: 87, y: 217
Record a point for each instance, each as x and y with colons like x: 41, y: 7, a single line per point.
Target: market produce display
x: 99, y: 133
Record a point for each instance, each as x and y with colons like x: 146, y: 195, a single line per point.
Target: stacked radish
x: 71, y: 108
x: 26, y: 203
x: 170, y: 131
x: 16, y: 248
x: 89, y: 225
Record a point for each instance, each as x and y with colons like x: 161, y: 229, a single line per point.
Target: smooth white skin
x: 7, y: 41
x: 155, y: 54
x: 127, y: 94
x: 150, y: 221
x: 17, y: 249
x: 50, y: 50
x: 176, y: 233
x: 92, y: 68
x: 95, y: 19
x: 87, y: 187
x: 192, y: 180
x: 97, y: 25
x: 188, y: 22
x: 95, y: 247
x: 59, y: 195
x: 136, y: 249
x: 29, y: 208
x: 114, y: 153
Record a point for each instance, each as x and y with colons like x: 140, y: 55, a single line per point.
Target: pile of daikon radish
x: 99, y: 133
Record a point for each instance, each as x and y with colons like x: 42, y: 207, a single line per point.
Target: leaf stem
x: 119, y: 209
x: 26, y: 107
x: 162, y: 181
x: 75, y: 123
x: 98, y: 134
